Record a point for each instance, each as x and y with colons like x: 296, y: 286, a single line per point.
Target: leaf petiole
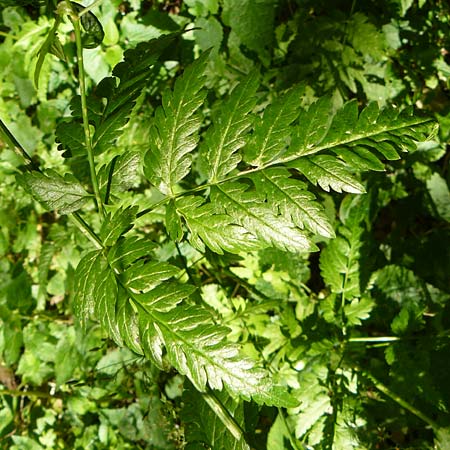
x: 88, y: 8
x: 224, y: 415
x: 15, y: 145
x: 75, y: 19
x: 86, y: 230
x: 375, y: 339
x: 402, y: 402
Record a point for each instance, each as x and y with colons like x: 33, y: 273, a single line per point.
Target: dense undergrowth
x: 224, y: 224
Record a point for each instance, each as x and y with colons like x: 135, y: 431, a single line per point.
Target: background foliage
x: 358, y: 332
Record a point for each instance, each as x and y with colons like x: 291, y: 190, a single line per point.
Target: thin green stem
x: 344, y: 326
x: 224, y: 415
x: 203, y: 187
x: 88, y: 8
x: 374, y: 339
x: 352, y: 10
x: 402, y: 402
x: 30, y: 394
x: 15, y: 145
x: 14, y: 38
x: 86, y: 230
x: 87, y: 133
x: 153, y: 207
x: 292, y: 439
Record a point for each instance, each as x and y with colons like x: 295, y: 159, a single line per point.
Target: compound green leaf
x: 159, y: 322
x: 198, y: 348
x: 361, y: 139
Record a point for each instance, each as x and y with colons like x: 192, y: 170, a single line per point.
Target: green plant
x: 195, y: 248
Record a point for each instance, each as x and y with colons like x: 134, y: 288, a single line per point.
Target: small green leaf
x: 328, y: 172
x: 292, y: 199
x: 251, y: 22
x: 218, y: 154
x: 25, y: 443
x: 57, y: 49
x: 273, y: 131
x: 314, y: 404
x: 67, y: 359
x: 128, y: 250
x: 339, y: 262
x: 174, y: 134
x: 248, y: 209
x: 439, y: 192
x: 218, y: 231
x: 143, y: 276
x: 88, y: 269
x: 70, y: 136
x: 117, y: 224
x: 121, y: 174
x: 50, y: 45
x: 55, y: 192
x: 314, y: 124
x: 173, y: 222
x: 209, y: 34
x: 278, y: 436
x: 443, y: 438
x: 358, y: 310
